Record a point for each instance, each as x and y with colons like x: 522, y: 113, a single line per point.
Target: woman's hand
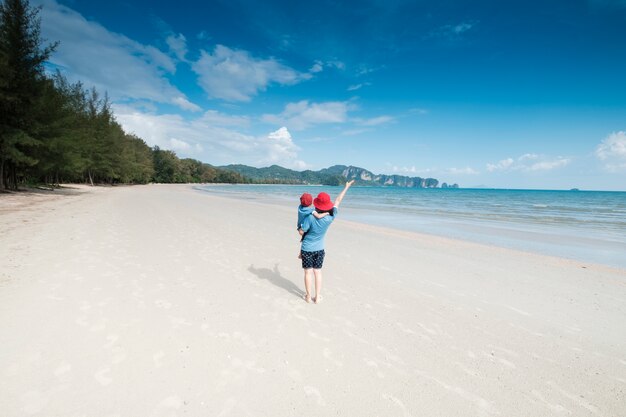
x: 343, y: 193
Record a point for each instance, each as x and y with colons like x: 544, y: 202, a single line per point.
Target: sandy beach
x: 159, y: 300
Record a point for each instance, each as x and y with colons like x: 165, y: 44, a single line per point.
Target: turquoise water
x: 585, y: 225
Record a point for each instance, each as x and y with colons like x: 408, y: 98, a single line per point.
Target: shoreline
x: 176, y: 302
x: 31, y: 198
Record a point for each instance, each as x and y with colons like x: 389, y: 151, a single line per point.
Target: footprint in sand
x: 157, y: 359
x: 316, y: 336
x: 119, y: 355
x: 163, y: 304
x: 397, y: 402
x: 314, y: 392
x: 62, y: 369
x: 102, y: 376
x: 34, y: 402
x: 171, y: 402
x: 329, y: 356
x: 112, y: 339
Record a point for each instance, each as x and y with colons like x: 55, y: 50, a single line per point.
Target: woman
x: 314, y: 231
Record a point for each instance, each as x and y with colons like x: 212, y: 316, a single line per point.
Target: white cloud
x: 527, y: 156
x: 205, y: 138
x: 462, y: 171
x: 216, y: 118
x: 364, y: 70
x: 178, y: 45
x: 548, y: 165
x: 461, y: 27
x: 179, y: 145
x: 281, y: 149
x: 318, y: 66
x: 185, y: 104
x: 452, y: 32
x: 529, y: 162
x: 111, y: 62
x: 612, y: 151
x: 336, y: 64
x: 301, y: 115
x: 235, y: 75
x: 404, y: 170
x: 358, y: 86
x: 501, y: 165
x: 376, y: 121
x: 353, y: 132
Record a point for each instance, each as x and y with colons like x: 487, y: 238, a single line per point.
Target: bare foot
x: 307, y: 298
x: 317, y: 299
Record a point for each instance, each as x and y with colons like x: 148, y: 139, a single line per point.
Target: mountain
x: 334, y: 175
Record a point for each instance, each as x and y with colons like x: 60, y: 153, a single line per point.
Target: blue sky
x: 500, y: 94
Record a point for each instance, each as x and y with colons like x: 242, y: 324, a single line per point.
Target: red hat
x: 322, y: 202
x: 306, y: 199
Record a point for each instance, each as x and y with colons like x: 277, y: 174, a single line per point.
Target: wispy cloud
x: 462, y: 171
x: 374, y: 121
x: 216, y: 118
x: 210, y: 137
x: 319, y: 65
x: 501, y: 165
x: 177, y: 45
x: 111, y: 62
x: 612, y: 151
x: 235, y: 75
x: 355, y: 87
x: 529, y: 162
x: 452, y: 32
x: 304, y: 114
x: 418, y: 111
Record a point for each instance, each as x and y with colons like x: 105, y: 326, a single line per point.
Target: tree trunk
x: 90, y: 178
x: 2, y: 184
x: 14, y: 177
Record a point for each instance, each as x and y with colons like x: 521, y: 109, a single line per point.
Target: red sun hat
x: 322, y: 202
x: 306, y: 199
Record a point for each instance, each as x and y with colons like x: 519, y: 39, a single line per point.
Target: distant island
x: 334, y: 175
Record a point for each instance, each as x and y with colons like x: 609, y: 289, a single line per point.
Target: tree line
x: 54, y: 131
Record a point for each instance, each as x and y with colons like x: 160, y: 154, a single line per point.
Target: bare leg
x: 318, y: 285
x: 307, y: 284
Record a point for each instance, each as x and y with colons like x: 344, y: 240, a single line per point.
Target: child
x: 304, y: 209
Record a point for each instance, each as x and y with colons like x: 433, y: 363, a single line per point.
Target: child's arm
x: 300, y: 231
x: 319, y: 215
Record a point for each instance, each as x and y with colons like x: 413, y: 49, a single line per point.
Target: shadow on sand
x: 273, y: 276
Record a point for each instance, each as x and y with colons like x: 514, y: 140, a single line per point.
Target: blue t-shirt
x: 316, y: 228
x: 303, y: 212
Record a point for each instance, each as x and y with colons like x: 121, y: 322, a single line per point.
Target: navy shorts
x: 313, y: 260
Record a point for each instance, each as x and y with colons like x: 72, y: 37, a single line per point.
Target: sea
x: 588, y: 226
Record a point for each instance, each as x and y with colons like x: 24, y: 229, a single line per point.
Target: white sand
x: 163, y: 301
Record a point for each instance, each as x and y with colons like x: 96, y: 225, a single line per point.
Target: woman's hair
x: 331, y: 211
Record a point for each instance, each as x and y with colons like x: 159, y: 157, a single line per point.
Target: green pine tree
x: 22, y: 84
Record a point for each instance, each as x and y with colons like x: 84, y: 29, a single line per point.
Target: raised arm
x: 343, y: 193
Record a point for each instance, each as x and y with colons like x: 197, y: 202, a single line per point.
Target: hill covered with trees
x: 334, y: 175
